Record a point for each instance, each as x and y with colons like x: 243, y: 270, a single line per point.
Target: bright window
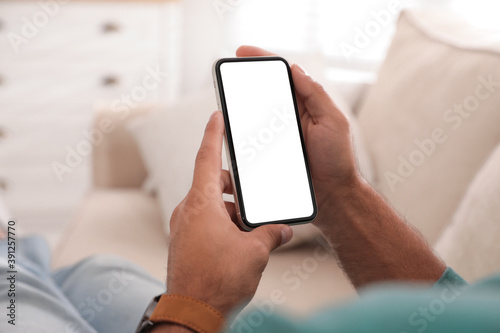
x: 352, y: 34
x: 356, y: 31
x: 482, y: 13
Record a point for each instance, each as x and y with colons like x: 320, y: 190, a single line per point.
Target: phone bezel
x: 233, y: 165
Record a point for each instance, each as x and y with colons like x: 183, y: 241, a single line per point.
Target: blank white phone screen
x: 264, y: 129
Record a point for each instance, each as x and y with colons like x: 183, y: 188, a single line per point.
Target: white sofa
x: 434, y: 63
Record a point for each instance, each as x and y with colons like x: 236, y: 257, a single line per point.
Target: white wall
x: 203, y: 41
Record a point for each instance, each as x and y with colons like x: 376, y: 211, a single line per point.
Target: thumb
x: 273, y: 235
x: 316, y: 100
x: 208, y: 163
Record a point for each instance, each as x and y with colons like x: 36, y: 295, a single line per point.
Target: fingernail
x: 213, y: 115
x: 301, y: 69
x: 286, y: 235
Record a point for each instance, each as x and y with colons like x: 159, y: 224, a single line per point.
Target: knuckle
x: 261, y: 249
x: 274, y: 236
x: 263, y: 246
x: 202, y: 154
x: 346, y: 123
x: 255, y: 244
x: 176, y: 216
x: 342, y: 121
x: 176, y: 212
x: 191, y: 199
x: 318, y: 87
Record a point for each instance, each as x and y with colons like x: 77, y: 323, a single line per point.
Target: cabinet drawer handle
x: 3, y: 184
x: 110, y: 81
x: 3, y: 133
x: 110, y: 27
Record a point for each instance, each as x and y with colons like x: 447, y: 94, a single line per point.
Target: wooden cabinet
x: 53, y: 73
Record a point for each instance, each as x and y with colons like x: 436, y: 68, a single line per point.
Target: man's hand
x: 327, y: 137
x: 372, y: 242
x: 210, y: 258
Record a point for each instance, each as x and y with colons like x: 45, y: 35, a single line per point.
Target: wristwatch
x: 146, y: 324
x: 181, y: 310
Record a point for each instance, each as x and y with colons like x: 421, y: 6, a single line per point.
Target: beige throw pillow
x: 471, y: 243
x: 433, y: 116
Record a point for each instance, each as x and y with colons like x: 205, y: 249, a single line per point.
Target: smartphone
x: 265, y: 147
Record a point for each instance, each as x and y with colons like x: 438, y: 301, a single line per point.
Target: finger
x: 208, y: 163
x: 231, y: 210
x: 226, y: 185
x: 273, y: 235
x: 302, y: 107
x: 252, y: 51
x: 311, y: 94
x: 316, y: 100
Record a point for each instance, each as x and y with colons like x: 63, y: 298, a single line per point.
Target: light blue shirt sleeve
x: 450, y: 305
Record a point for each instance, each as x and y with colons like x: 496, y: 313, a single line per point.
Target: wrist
x: 349, y: 188
x: 337, y: 204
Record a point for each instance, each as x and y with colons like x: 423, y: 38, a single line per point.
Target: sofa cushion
x: 432, y: 117
x: 471, y: 243
x: 116, y: 161
x: 123, y: 222
x: 168, y: 139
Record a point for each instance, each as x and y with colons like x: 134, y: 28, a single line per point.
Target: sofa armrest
x: 116, y: 160
x: 122, y: 222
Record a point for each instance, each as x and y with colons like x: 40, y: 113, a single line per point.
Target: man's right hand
x: 372, y: 242
x: 327, y: 137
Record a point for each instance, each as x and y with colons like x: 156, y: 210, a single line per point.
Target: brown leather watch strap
x: 189, y: 312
